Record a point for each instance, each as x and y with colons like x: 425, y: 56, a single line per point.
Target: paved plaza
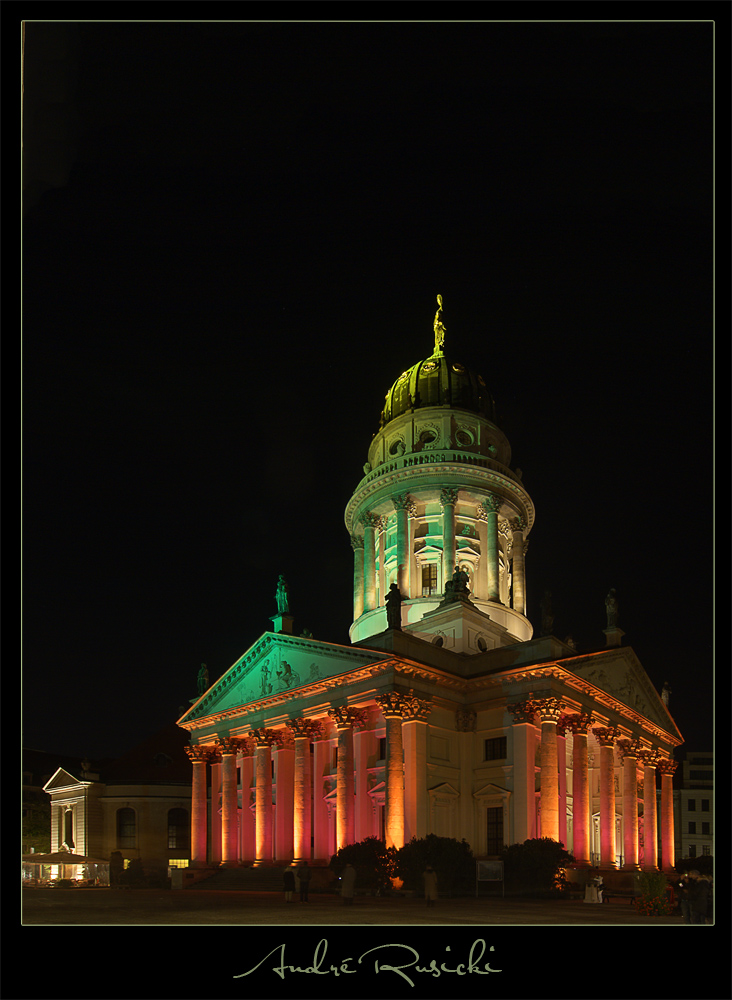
x: 197, y: 907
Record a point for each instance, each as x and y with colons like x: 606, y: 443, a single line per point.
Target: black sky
x: 233, y: 238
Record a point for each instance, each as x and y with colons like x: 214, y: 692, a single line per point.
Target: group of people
x: 694, y: 892
x: 348, y: 883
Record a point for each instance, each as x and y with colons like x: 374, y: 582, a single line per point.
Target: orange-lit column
x: 491, y: 506
x: 549, y: 710
x: 228, y: 748
x: 629, y: 751
x: 199, y: 757
x: 650, y: 819
x: 344, y: 719
x: 284, y: 796
x: 369, y: 521
x: 414, y: 735
x: 392, y: 710
x: 448, y: 499
x: 302, y: 730
x: 579, y: 724
x: 606, y: 739
x: 523, y: 798
x: 263, y: 738
x: 358, y: 578
x: 519, y: 571
x: 668, y: 845
x: 246, y: 817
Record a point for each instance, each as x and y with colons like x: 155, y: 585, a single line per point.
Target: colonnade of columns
x: 286, y: 831
x: 557, y: 723
x: 365, y: 551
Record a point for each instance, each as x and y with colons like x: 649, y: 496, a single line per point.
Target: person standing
x: 698, y: 898
x: 348, y: 881
x: 429, y: 876
x: 288, y: 884
x: 303, y: 873
x: 682, y: 891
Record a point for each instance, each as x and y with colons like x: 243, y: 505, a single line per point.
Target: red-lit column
x: 448, y: 499
x: 414, y: 736
x: 668, y: 845
x: 302, y: 731
x: 228, y: 748
x: 199, y: 757
x: 263, y: 738
x: 650, y: 820
x: 392, y: 707
x: 606, y: 738
x: 629, y: 751
x: 358, y: 578
x: 491, y: 506
x: 549, y: 710
x: 344, y: 719
x: 579, y: 724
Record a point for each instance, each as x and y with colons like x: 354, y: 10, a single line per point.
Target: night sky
x: 233, y: 239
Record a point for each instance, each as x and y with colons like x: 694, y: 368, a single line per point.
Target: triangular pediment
x: 488, y: 790
x: 620, y: 673
x: 445, y: 789
x: 274, y: 666
x: 60, y: 779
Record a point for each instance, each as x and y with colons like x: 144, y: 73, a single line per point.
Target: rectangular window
x: 705, y: 805
x: 691, y: 805
x: 705, y: 828
x: 382, y: 748
x: 692, y: 827
x: 495, y: 748
x: 429, y: 579
x: 494, y: 843
x: 706, y: 849
x: 692, y: 850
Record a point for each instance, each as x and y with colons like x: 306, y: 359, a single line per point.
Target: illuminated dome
x: 438, y: 381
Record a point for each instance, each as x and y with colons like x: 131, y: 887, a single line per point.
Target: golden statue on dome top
x: 439, y: 328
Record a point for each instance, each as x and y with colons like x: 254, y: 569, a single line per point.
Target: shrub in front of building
x: 452, y: 860
x: 373, y: 861
x: 655, y: 898
x: 536, y: 867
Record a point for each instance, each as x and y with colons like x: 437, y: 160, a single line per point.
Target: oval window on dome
x: 464, y: 438
x: 402, y: 378
x: 458, y: 368
x: 426, y: 437
x: 429, y: 366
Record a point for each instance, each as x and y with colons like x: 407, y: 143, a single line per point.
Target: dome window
x: 464, y: 438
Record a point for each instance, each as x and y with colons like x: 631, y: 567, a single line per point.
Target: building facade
x: 445, y: 715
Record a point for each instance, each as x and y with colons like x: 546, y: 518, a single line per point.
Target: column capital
x: 647, y: 757
x: 605, y: 735
x: 403, y: 501
x: 228, y: 745
x: 347, y: 717
x: 666, y: 766
x: 448, y: 497
x: 393, y: 704
x: 492, y: 504
x: 305, y: 728
x: 522, y: 711
x: 517, y: 524
x: 629, y: 748
x: 416, y: 709
x: 369, y: 520
x: 356, y: 542
x: 265, y: 737
x: 578, y: 724
x: 199, y: 754
x: 548, y: 709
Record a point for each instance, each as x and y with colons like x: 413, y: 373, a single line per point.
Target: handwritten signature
x: 383, y: 962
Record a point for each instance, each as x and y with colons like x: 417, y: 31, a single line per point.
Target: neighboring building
x: 446, y: 715
x: 696, y: 805
x: 138, y: 804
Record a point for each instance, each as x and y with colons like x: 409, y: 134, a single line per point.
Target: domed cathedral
x: 440, y: 515
x: 444, y: 714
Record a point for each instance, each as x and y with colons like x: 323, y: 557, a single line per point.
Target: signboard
x: 488, y: 871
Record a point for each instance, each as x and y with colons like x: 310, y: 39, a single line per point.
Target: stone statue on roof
x: 203, y: 679
x: 611, y: 607
x: 393, y: 603
x: 282, y: 596
x: 439, y: 327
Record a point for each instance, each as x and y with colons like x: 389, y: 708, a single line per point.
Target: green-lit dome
x: 438, y: 381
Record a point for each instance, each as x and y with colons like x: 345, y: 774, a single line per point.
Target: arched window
x: 178, y: 827
x: 126, y: 828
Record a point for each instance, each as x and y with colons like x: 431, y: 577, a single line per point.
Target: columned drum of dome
x: 441, y: 498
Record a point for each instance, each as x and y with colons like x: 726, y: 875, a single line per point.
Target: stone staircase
x: 242, y: 880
